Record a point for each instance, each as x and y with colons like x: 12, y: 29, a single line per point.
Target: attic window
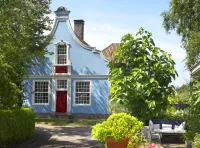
x: 61, y: 54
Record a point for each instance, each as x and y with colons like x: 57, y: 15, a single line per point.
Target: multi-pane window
x: 61, y: 54
x: 41, y: 92
x: 82, y: 92
x: 61, y: 84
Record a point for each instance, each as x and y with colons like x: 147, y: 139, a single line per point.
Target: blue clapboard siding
x: 28, y: 91
x: 99, y: 97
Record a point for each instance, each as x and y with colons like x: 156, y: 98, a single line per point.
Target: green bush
x: 196, y: 142
x: 16, y: 125
x: 118, y: 126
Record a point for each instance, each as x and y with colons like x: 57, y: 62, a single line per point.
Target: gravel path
x: 48, y: 136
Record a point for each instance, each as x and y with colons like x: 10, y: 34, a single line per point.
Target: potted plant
x: 70, y: 117
x: 119, y: 131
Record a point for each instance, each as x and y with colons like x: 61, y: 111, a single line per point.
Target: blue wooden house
x: 73, y: 80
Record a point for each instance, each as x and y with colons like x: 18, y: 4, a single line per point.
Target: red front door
x: 61, y: 101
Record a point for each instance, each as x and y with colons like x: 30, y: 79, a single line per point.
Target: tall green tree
x: 193, y: 119
x: 140, y: 75
x: 22, y: 39
x: 182, y: 95
x: 183, y: 17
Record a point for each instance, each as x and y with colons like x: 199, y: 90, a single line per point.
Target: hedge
x: 16, y: 125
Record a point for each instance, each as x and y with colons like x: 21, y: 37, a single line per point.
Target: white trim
x: 196, y: 69
x: 67, y: 90
x: 61, y: 89
x: 69, y: 96
x: 53, y: 108
x: 68, y: 76
x: 74, y: 104
x: 93, y: 49
x: 56, y: 53
x: 33, y: 88
x: 66, y: 18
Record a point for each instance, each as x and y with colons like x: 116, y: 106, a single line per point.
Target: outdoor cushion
x: 179, y: 131
x: 156, y: 126
x: 166, y: 126
x: 180, y: 128
x: 167, y: 130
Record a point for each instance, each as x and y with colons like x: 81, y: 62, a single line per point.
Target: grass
x: 65, y: 121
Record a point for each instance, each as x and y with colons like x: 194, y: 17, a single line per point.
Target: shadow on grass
x: 65, y: 121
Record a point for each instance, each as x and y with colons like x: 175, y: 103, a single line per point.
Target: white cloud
x: 174, y: 49
x: 102, y: 35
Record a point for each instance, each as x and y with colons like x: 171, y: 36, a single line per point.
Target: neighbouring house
x: 195, y: 70
x: 73, y: 80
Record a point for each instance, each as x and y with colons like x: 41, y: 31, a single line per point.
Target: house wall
x: 28, y: 92
x: 99, y: 97
x: 84, y: 61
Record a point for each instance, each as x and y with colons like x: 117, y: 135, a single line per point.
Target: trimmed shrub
x: 118, y: 126
x: 16, y: 125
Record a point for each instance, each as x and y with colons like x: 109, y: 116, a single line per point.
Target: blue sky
x: 106, y: 21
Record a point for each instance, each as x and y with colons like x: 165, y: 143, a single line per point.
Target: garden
x: 141, y: 76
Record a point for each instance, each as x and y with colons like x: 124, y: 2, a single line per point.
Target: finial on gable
x: 62, y: 11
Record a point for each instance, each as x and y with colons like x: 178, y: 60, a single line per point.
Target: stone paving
x: 48, y: 136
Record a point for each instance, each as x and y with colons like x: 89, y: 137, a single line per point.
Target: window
x: 61, y: 84
x: 61, y: 54
x: 82, y: 93
x: 41, y: 92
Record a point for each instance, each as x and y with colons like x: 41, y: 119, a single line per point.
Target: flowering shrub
x: 151, y: 146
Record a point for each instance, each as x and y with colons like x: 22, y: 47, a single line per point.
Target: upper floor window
x: 61, y: 54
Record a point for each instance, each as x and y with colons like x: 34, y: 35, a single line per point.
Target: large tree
x: 141, y: 75
x: 183, y: 16
x: 22, y: 38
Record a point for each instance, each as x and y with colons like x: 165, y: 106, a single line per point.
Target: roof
x: 84, y: 42
x: 108, y: 52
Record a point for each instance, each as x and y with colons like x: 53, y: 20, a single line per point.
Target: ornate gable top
x: 62, y: 10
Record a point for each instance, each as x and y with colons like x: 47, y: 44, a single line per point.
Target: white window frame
x: 75, y: 93
x: 56, y: 54
x: 33, y: 92
x: 61, y: 89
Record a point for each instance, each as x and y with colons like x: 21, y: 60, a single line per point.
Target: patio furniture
x: 161, y: 128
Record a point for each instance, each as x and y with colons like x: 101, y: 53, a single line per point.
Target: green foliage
x: 171, y: 113
x: 182, y: 95
x: 140, y: 75
x: 183, y: 16
x: 196, y: 142
x: 16, y: 125
x: 193, y: 120
x: 118, y: 126
x: 114, y: 107
x: 22, y: 39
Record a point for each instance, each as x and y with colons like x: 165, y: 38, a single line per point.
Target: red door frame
x: 61, y: 101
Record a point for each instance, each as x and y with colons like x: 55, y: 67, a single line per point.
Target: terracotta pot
x: 112, y: 143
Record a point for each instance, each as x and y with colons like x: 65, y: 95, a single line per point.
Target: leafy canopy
x: 22, y: 38
x: 140, y: 75
x: 194, y: 116
x: 183, y: 16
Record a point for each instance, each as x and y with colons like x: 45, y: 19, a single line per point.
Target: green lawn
x: 65, y: 121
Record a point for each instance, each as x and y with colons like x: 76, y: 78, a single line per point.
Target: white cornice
x: 196, y: 69
x: 65, y: 18
x: 66, y: 75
